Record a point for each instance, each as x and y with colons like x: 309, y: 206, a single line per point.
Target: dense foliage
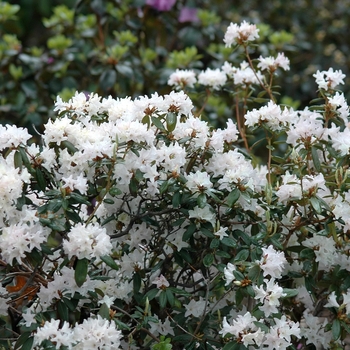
x: 135, y: 224
x: 129, y: 48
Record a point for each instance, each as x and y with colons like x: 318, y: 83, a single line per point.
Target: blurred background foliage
x: 130, y: 47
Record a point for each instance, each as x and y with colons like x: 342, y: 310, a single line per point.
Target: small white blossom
x: 214, y: 78
x: 238, y: 34
x: 182, y: 78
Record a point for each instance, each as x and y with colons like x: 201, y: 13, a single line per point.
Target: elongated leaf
x: 233, y: 197
x: 163, y: 299
x: 157, y: 123
x: 170, y: 296
x: 315, y: 158
x: 108, y: 260
x: 81, y: 270
x: 336, y: 329
x: 171, y: 120
x: 208, y: 260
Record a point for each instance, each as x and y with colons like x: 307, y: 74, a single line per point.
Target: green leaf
x: 315, y: 158
x: 137, y: 282
x: 163, y: 187
x: 115, y: 191
x: 242, y: 255
x: 40, y: 179
x: 18, y: 160
x: 233, y: 346
x: 81, y: 270
x: 290, y: 292
x: 214, y: 243
x: 170, y: 296
x: 171, y: 120
x: 157, y: 123
x: 189, y: 232
x: 176, y: 201
x: 229, y: 242
x: 108, y: 260
x: 62, y: 311
x: 307, y: 254
x: 22, y: 340
x: 162, y: 299
x: 336, y: 329
x: 208, y: 260
x: 151, y: 294
x: 233, y: 197
x: 254, y: 272
x: 316, y: 204
x: 202, y: 200
x: 104, y: 311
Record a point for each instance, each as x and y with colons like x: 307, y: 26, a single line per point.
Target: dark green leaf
x: 290, y: 292
x: 170, y: 296
x: 315, y: 158
x: 242, y: 255
x: 62, y: 311
x: 23, y: 338
x: 163, y: 299
x: 202, y: 200
x: 137, y: 282
x: 214, y: 243
x: 336, y: 329
x: 208, y: 260
x: 163, y: 187
x: 189, y: 232
x: 176, y: 201
x: 233, y: 197
x: 229, y: 242
x: 157, y: 123
x: 104, y: 311
x: 171, y: 120
x: 307, y: 253
x: 108, y: 260
x: 40, y: 179
x: 316, y: 204
x: 151, y: 294
x: 81, y: 270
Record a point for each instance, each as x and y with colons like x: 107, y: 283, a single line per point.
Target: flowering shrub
x: 133, y: 224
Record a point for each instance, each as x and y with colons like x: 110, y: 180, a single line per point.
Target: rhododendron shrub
x: 134, y: 224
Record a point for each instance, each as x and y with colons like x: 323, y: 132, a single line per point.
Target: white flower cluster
x: 242, y: 33
x: 329, y: 79
x: 93, y: 333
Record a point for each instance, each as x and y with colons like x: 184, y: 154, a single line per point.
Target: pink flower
x: 188, y: 14
x: 161, y: 5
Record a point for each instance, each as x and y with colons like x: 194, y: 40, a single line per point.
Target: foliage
x: 128, y: 48
x: 134, y: 223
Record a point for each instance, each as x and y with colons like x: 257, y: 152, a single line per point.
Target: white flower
x: 95, y: 333
x: 161, y: 282
x: 182, y: 78
x: 221, y: 233
x: 272, y: 262
x: 332, y: 300
x: 228, y: 272
x: 269, y: 296
x: 238, y: 34
x: 195, y: 308
x: 214, y: 78
x: 87, y: 241
x: 203, y: 214
x: 272, y: 115
x: 270, y: 63
x: 329, y: 79
x: 198, y: 181
x: 12, y: 136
